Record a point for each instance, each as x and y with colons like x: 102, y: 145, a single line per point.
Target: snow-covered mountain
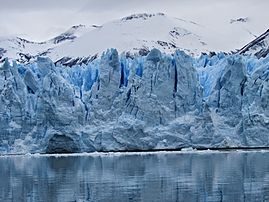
x: 258, y: 47
x: 24, y: 50
x: 20, y: 49
x: 136, y: 33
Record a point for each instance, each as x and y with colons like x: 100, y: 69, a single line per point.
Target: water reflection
x: 154, y: 177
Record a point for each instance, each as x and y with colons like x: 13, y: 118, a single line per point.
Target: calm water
x: 199, y: 176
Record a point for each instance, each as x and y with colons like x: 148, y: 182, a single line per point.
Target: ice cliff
x: 119, y: 103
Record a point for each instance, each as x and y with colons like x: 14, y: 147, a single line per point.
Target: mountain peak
x: 77, y: 26
x: 70, y: 34
x: 143, y: 16
x: 240, y: 20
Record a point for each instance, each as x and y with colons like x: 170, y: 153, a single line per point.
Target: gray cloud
x: 29, y: 5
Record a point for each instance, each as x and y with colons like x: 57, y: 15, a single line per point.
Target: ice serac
x: 118, y: 103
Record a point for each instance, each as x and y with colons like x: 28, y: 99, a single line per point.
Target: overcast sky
x: 42, y: 19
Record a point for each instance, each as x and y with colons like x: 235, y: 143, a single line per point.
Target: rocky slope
x: 258, y: 47
x: 148, y: 102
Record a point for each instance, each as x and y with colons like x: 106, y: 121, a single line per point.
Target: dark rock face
x: 2, y: 51
x: 143, y: 16
x: 241, y: 20
x: 258, y: 47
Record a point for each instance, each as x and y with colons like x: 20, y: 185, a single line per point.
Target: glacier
x: 120, y: 103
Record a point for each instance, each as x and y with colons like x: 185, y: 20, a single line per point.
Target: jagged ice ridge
x: 116, y: 103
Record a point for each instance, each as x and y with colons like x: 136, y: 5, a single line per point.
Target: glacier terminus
x: 125, y: 103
